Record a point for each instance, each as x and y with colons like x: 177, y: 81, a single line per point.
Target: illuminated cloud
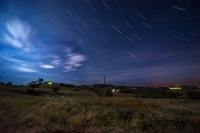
x: 19, y: 65
x: 26, y: 69
x: 78, y: 65
x: 73, y: 60
x: 17, y: 34
x: 68, y: 68
x: 52, y: 56
x: 13, y: 60
x: 47, y: 66
x: 77, y: 58
x: 56, y: 62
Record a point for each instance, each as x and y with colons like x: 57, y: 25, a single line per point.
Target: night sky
x: 131, y: 42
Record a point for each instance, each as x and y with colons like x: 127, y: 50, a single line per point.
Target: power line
x: 171, y: 57
x: 168, y: 58
x: 198, y: 54
x: 104, y: 81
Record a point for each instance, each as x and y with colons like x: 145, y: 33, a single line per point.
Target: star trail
x: 131, y: 42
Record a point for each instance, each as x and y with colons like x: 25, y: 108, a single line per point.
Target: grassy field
x: 82, y: 111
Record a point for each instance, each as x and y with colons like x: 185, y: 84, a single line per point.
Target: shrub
x: 36, y: 93
x: 33, y: 92
x: 194, y: 95
x: 33, y: 85
x: 108, y: 92
x: 55, y: 88
x: 174, y: 94
x: 97, y: 90
x: 75, y: 89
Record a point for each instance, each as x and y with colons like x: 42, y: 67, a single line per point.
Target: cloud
x: 47, y: 66
x: 68, y: 68
x: 78, y: 65
x: 17, y: 34
x: 73, y: 60
x: 51, y: 56
x: 13, y: 60
x: 56, y: 62
x: 77, y: 58
x: 18, y: 65
x: 26, y: 69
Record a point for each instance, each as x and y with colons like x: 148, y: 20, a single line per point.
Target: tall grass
x: 21, y: 113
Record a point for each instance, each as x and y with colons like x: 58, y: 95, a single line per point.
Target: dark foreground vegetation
x: 72, y: 110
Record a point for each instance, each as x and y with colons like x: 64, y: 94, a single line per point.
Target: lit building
x: 175, y: 88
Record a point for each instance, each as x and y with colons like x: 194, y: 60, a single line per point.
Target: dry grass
x: 84, y: 112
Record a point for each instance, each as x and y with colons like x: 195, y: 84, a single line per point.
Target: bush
x: 33, y: 85
x: 55, y: 88
x: 46, y: 86
x: 75, y: 89
x: 108, y: 92
x: 193, y: 95
x: 33, y: 92
x: 174, y: 94
x: 100, y: 91
x: 97, y: 90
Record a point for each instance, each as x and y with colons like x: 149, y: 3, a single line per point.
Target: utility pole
x: 104, y: 81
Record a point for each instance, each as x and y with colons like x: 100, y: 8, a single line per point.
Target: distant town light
x: 113, y: 90
x: 175, y: 88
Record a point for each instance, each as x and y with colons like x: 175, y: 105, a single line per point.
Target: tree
x: 9, y: 83
x: 40, y: 80
x: 32, y: 84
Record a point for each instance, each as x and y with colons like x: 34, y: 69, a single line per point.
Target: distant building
x: 175, y: 87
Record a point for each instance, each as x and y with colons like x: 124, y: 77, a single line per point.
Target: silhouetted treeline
x: 67, y: 85
x: 187, y: 92
x: 102, y: 85
x: 83, y: 87
x: 2, y: 83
